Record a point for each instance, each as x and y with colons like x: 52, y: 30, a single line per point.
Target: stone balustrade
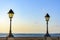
x: 31, y: 38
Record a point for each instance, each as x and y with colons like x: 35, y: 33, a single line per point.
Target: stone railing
x: 31, y: 38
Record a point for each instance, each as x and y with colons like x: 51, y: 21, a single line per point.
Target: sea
x: 28, y: 35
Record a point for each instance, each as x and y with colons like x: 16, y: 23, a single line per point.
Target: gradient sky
x: 29, y: 16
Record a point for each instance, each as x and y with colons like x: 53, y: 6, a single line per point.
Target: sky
x: 29, y: 16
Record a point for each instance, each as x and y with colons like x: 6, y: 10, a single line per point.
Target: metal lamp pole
x: 47, y: 19
x: 10, y: 16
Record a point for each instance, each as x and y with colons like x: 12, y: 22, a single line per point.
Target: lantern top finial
x: 11, y: 11
x: 47, y: 15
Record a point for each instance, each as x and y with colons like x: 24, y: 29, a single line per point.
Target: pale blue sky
x: 29, y: 15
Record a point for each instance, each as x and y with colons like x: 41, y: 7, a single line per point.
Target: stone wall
x: 31, y: 38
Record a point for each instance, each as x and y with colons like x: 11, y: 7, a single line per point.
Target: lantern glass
x: 47, y: 18
x: 11, y: 15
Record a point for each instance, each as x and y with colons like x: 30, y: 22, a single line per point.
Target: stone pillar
x: 10, y: 38
x: 48, y: 38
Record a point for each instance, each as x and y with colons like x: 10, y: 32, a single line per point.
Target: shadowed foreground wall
x: 31, y: 38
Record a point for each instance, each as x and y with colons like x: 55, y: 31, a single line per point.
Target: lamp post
x: 10, y: 13
x: 47, y: 17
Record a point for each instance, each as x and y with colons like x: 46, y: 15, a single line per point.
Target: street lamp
x: 10, y: 13
x: 47, y: 17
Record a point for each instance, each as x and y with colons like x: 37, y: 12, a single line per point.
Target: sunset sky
x: 29, y: 16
